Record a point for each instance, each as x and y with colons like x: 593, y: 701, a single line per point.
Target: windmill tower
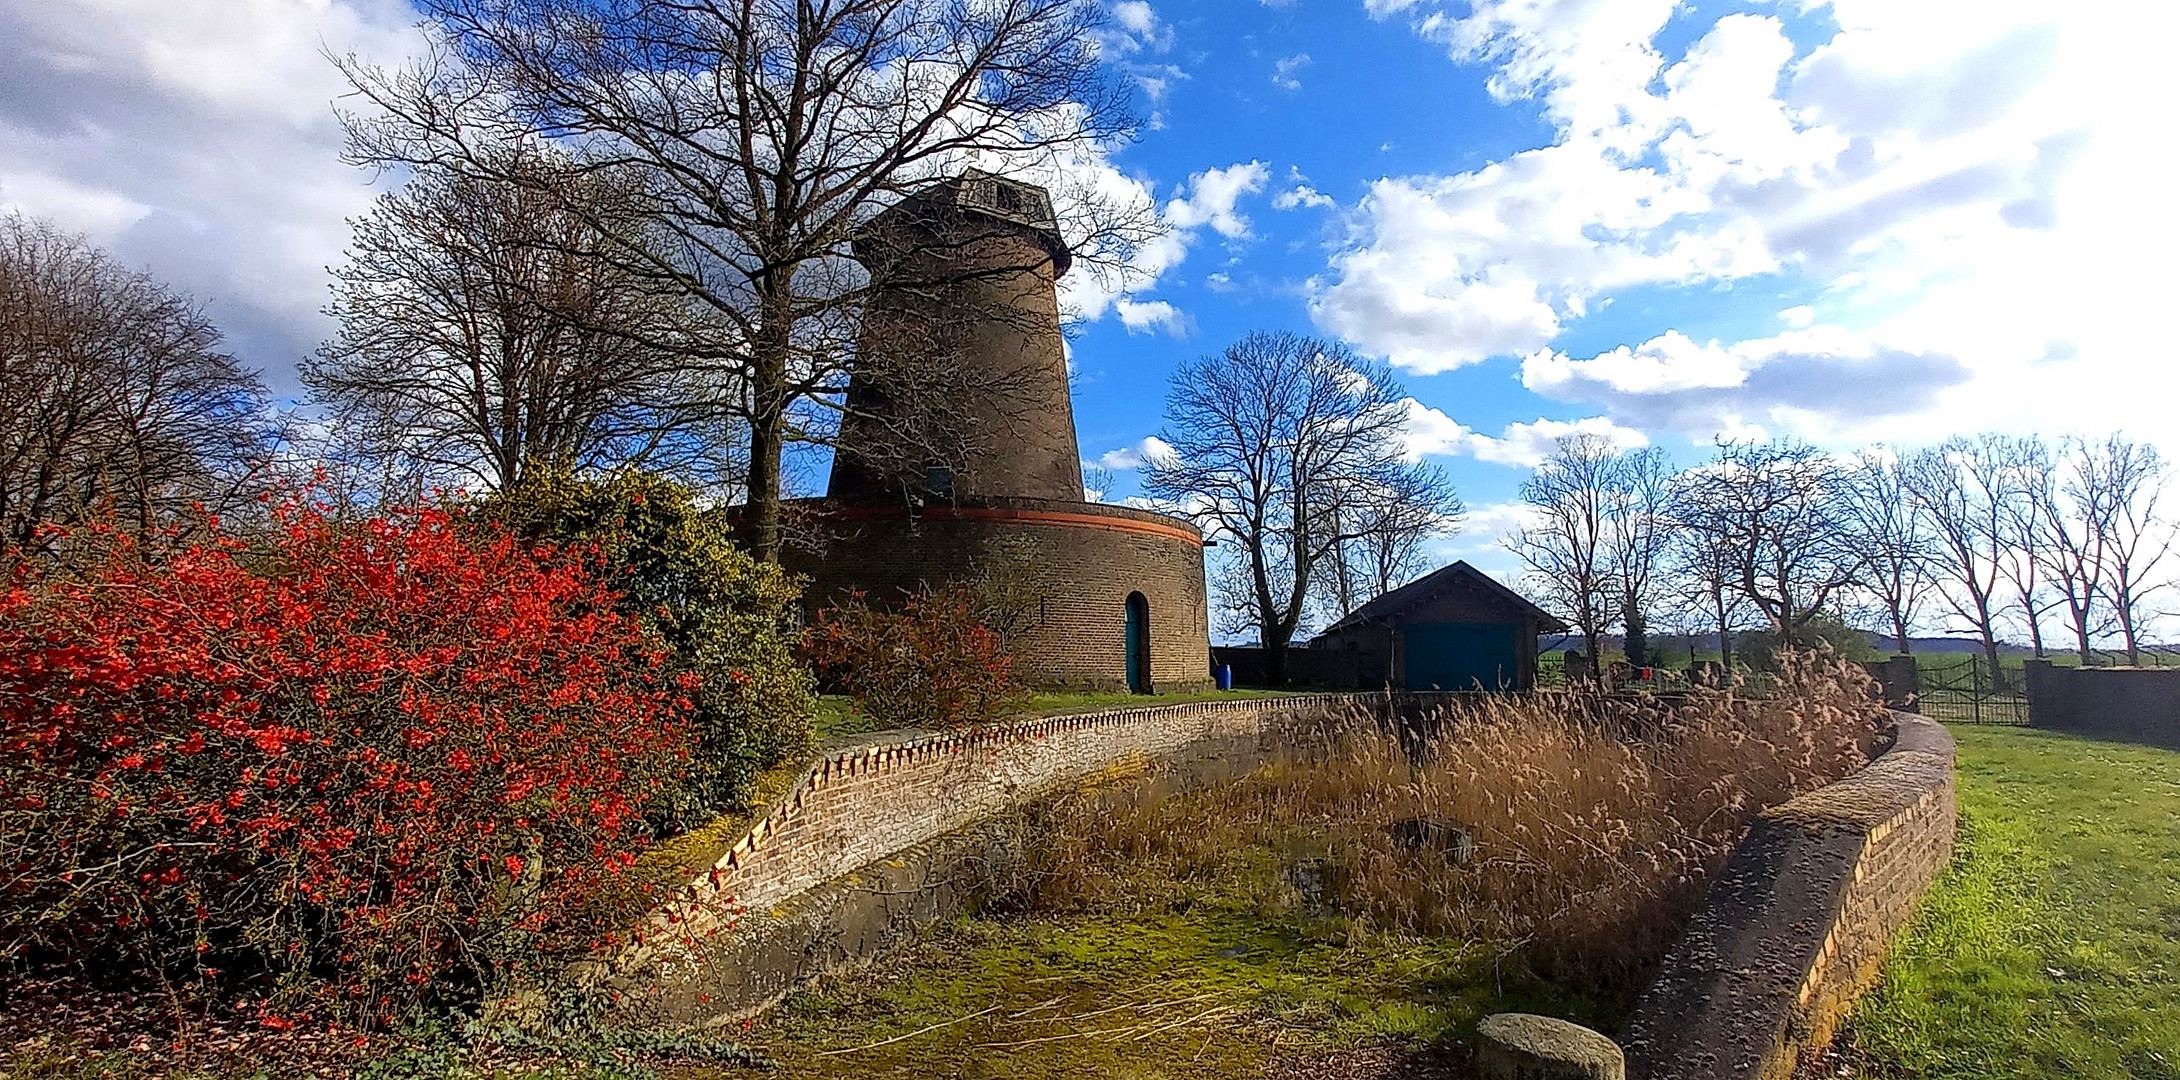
x: 959, y: 463
x: 966, y: 396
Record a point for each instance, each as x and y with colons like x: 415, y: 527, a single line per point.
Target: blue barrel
x: 1223, y: 675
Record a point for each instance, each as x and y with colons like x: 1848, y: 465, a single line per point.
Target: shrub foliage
x: 933, y: 662
x: 728, y: 619
x: 344, y: 768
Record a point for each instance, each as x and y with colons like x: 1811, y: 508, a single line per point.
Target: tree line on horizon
x: 1992, y: 532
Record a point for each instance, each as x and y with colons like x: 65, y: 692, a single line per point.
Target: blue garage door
x: 1460, y: 656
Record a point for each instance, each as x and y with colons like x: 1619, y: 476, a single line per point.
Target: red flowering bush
x: 348, y: 768
x: 931, y: 663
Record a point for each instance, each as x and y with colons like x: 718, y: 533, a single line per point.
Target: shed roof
x: 1392, y: 603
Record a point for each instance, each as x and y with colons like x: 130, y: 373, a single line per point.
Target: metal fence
x: 1969, y: 691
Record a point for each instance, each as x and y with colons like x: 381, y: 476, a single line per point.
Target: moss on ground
x: 2051, y: 947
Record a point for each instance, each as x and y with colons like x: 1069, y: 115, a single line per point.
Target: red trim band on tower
x: 1138, y: 526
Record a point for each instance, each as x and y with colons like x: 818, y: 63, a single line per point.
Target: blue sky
x: 1842, y: 220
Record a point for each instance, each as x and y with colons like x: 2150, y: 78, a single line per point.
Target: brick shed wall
x: 864, y: 803
x: 1795, y: 929
x: 1081, y: 560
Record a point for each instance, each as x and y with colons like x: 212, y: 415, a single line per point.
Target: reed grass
x: 1597, y: 819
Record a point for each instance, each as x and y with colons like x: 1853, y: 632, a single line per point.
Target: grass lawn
x: 2051, y: 947
x: 837, y: 717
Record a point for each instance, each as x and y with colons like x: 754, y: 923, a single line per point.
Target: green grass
x: 837, y: 716
x: 2051, y: 947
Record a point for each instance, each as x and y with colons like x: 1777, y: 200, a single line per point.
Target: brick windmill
x: 959, y: 460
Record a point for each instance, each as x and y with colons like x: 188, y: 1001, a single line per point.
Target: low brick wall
x: 865, y: 805
x: 1796, y: 927
x: 2135, y: 704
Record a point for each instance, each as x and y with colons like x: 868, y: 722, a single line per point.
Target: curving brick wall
x: 1796, y: 927
x: 863, y: 803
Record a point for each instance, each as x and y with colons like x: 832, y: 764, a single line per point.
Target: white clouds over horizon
x: 199, y: 142
x: 1523, y: 444
x: 1963, y: 185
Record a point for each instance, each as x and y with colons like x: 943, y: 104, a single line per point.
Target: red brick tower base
x: 1071, y: 570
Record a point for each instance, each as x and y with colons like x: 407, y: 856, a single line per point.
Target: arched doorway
x: 1139, y: 644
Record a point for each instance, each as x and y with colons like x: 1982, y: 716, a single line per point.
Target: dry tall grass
x: 1597, y: 819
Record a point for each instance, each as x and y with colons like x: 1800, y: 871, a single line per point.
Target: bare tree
x: 1965, y: 488
x: 2074, y: 513
x: 113, y: 394
x: 1703, y: 566
x: 1774, y: 512
x: 1640, y: 528
x: 482, y: 331
x: 2025, y: 563
x: 1385, y: 520
x: 1268, y: 438
x: 1890, y: 529
x: 767, y: 134
x: 1569, y: 551
x: 2136, y: 533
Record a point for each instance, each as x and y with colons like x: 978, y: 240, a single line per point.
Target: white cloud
x: 1146, y: 316
x: 1212, y: 195
x: 197, y: 141
x: 1430, y: 431
x: 1301, y: 195
x: 1209, y: 200
x: 1822, y: 383
x: 1286, y: 71
x: 1969, y: 189
x: 1140, y: 29
x: 1150, y: 449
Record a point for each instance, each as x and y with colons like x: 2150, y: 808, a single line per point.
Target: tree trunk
x: 1899, y: 631
x: 767, y: 425
x: 1725, y: 636
x: 1638, y: 639
x: 2126, y: 608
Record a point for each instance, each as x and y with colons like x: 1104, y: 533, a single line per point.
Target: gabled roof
x: 1416, y: 592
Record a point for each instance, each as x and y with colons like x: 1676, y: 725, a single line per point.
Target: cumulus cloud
x: 1147, y: 316
x: 1430, y: 431
x: 1209, y: 200
x: 1929, y: 174
x: 1139, y: 29
x: 1821, y: 382
x: 1151, y: 449
x: 198, y: 141
x: 1212, y: 195
x: 1287, y: 71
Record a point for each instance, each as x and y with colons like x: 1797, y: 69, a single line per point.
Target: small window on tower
x: 1010, y: 198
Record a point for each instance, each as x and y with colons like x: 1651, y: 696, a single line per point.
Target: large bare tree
x: 114, y: 394
x: 481, y: 331
x: 2074, y: 511
x: 1966, y: 488
x: 766, y: 134
x: 1270, y: 439
x: 1894, y: 537
x: 2137, y: 534
x: 1775, y: 512
x: 1386, y: 521
x: 1640, y: 530
x: 1573, y: 497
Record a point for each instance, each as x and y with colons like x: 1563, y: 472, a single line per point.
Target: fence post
x: 1975, y: 687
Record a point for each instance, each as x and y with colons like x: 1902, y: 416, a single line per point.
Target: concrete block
x: 1524, y: 1046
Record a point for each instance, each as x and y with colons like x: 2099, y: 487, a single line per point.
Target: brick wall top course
x: 1795, y: 928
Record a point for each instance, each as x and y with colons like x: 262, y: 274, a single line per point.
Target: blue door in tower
x: 1460, y: 656
x: 1139, y: 644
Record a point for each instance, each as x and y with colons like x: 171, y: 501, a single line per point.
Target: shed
x: 1452, y: 629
